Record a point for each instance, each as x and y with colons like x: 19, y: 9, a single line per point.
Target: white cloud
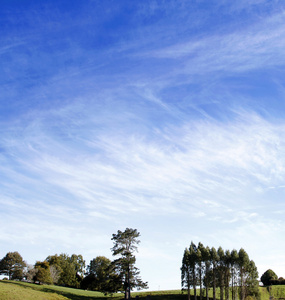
x: 259, y: 46
x: 121, y: 173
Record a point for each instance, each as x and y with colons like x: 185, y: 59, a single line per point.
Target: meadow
x: 16, y: 290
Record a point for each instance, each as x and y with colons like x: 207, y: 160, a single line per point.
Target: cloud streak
x: 199, y: 158
x: 260, y: 46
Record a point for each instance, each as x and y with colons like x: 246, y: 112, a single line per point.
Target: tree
x: 227, y: 270
x: 268, y: 276
x: 12, y: 265
x: 125, y: 244
x: 200, y: 259
x: 100, y: 276
x: 69, y: 269
x: 251, y: 281
x: 221, y: 272
x: 207, y: 259
x: 189, y: 269
x: 193, y: 265
x: 97, y: 274
x: 79, y: 264
x: 214, y: 260
x: 234, y: 264
x: 243, y: 261
x: 43, y: 272
x: 186, y: 278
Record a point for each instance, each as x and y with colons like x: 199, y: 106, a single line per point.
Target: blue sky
x: 165, y: 116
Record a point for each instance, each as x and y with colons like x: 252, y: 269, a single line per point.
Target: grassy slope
x: 14, y: 290
x: 26, y: 291
x: 49, y: 292
x: 277, y: 291
x: 11, y: 291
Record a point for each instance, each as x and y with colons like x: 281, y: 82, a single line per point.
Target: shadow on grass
x: 72, y: 296
x: 165, y: 297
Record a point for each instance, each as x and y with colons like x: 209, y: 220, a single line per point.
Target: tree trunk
x: 207, y: 280
x: 201, y: 289
x: 214, y: 284
x: 242, y: 293
x: 222, y: 286
x: 227, y: 284
x: 194, y: 283
x: 233, y: 285
x: 128, y: 289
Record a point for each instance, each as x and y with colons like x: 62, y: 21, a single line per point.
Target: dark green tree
x: 207, y: 260
x: 186, y: 275
x: 100, y: 276
x: 69, y: 268
x: 189, y: 270
x: 234, y: 272
x: 200, y: 265
x: 12, y: 265
x: 193, y: 264
x: 79, y: 264
x: 268, y: 276
x: 68, y: 273
x: 251, y: 281
x: 221, y: 271
x: 214, y: 261
x: 227, y: 271
x: 243, y: 261
x: 125, y: 244
x: 43, y: 272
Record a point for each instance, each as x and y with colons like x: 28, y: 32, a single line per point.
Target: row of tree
x: 102, y: 274
x: 224, y: 271
x: 56, y: 269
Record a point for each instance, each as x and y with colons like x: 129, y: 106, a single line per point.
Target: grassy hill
x: 15, y: 290
x: 277, y: 291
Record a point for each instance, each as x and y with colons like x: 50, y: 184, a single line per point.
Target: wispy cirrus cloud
x: 198, y: 158
x: 250, y: 48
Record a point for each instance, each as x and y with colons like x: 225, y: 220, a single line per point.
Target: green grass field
x: 15, y: 290
x: 277, y: 291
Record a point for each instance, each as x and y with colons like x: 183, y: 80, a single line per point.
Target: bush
x: 280, y: 281
x: 268, y: 277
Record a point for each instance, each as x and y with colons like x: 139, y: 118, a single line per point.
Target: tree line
x: 102, y: 274
x: 227, y: 272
